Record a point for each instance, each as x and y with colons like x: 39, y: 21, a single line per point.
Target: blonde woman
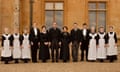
x: 6, y: 44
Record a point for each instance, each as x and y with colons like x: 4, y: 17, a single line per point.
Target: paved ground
x: 62, y: 67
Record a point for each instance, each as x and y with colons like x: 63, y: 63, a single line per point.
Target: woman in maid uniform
x: 26, y: 53
x: 65, y: 40
x: 44, y: 54
x: 101, y: 42
x: 6, y: 54
x: 17, y: 42
x: 92, y: 45
x: 111, y: 45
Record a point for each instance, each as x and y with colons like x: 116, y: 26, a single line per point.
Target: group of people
x: 55, y: 44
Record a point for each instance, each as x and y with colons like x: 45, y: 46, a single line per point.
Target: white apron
x: 16, y: 47
x: 101, y: 50
x: 26, y: 50
x: 6, y: 51
x: 111, y: 50
x: 92, y: 47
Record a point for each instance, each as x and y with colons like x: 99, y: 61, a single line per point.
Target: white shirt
x: 35, y: 30
x: 84, y: 32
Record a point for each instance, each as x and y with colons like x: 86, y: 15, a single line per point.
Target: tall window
x: 97, y: 14
x: 54, y: 13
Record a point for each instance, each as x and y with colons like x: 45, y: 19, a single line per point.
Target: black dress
x: 44, y: 49
x: 64, y: 51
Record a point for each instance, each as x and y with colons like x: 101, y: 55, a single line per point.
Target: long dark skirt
x: 6, y: 58
x: 44, y: 52
x: 112, y: 58
x: 64, y: 52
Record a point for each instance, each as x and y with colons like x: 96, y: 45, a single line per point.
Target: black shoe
x: 75, y: 61
x: 91, y: 61
x: 6, y: 62
x: 64, y: 61
x: 44, y: 61
x: 86, y: 59
x: 101, y: 61
x: 56, y: 60
x: 34, y: 61
x: 81, y: 60
x: 53, y: 60
x: 16, y: 61
x: 111, y: 61
x: 25, y: 61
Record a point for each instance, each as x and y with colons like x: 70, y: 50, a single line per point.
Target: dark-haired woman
x: 65, y: 40
x: 44, y: 42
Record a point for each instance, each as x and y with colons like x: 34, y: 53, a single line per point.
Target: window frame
x: 54, y: 1
x: 97, y: 10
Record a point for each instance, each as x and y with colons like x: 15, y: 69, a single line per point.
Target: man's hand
x: 60, y: 43
x: 80, y: 43
x: 46, y: 43
x: 31, y: 43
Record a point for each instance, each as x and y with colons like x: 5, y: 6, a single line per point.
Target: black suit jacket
x: 54, y: 34
x: 34, y: 38
x: 85, y: 38
x: 75, y: 35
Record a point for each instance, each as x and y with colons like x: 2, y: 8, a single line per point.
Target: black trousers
x: 55, y: 50
x: 84, y: 48
x: 82, y: 54
x: 34, y: 49
x: 75, y: 47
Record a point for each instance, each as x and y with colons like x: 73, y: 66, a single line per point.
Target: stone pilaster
x: 16, y: 13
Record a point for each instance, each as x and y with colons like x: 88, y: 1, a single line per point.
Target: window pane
x: 101, y: 5
x: 92, y: 5
x: 92, y: 19
x: 49, y: 6
x: 101, y: 19
x: 59, y: 18
x: 59, y: 6
x: 49, y: 19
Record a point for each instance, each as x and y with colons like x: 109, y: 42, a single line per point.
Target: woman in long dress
x: 92, y: 45
x: 44, y: 54
x: 101, y: 42
x: 65, y: 40
x: 112, y: 45
x: 26, y: 53
x: 6, y: 54
x: 17, y: 43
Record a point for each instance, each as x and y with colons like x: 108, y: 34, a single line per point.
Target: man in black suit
x: 84, y: 41
x: 34, y: 41
x: 76, y: 40
x: 54, y: 36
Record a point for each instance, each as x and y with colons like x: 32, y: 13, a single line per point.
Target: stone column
x: 16, y: 13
